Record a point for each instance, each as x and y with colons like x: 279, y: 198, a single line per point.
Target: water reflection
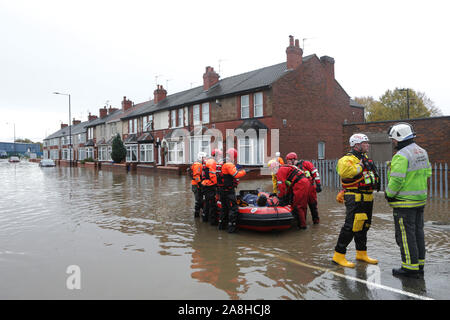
x: 144, y: 226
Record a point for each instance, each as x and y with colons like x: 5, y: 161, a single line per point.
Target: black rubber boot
x: 401, y: 272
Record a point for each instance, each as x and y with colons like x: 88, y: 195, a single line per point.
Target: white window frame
x: 196, y: 114
x: 103, y: 153
x: 321, y: 150
x: 175, y: 152
x: 132, y: 149
x: 199, y: 144
x: 245, y: 106
x: 173, y: 118
x: 90, y: 133
x: 146, y: 152
x: 181, y: 117
x: 81, y: 154
x: 205, y: 112
x: 255, y: 147
x: 90, y: 152
x: 258, y: 110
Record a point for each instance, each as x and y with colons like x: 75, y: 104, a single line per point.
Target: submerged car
x: 47, y: 163
x: 14, y: 159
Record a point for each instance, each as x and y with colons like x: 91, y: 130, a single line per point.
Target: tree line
x: 397, y: 104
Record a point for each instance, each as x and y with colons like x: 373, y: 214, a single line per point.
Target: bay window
x: 251, y: 151
x: 132, y: 152
x: 146, y: 152
x: 176, y: 151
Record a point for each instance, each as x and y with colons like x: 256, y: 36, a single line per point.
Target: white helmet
x: 201, y: 155
x: 401, y: 131
x: 358, y: 138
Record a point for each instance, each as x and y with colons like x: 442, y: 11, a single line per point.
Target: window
x: 90, y: 152
x: 251, y: 151
x: 132, y: 126
x: 144, y: 123
x: 81, y: 154
x: 196, y: 114
x: 132, y: 152
x: 321, y: 150
x: 103, y: 153
x: 180, y: 118
x: 109, y: 153
x: 176, y: 150
x: 245, y: 107
x: 91, y: 133
x: 199, y: 144
x: 173, y: 118
x: 205, y: 112
x: 258, y: 104
x: 146, y: 153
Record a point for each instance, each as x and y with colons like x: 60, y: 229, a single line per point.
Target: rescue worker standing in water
x: 314, y: 178
x: 230, y: 208
x: 196, y: 175
x: 359, y: 179
x: 209, y: 184
x: 293, y: 187
x: 406, y: 193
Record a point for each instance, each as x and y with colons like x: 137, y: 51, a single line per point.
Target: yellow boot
x: 339, y: 258
x: 362, y: 255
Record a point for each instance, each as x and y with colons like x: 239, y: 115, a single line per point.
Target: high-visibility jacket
x: 310, y: 171
x: 408, y: 176
x: 209, y: 177
x: 196, y: 170
x: 230, y: 174
x: 355, y: 176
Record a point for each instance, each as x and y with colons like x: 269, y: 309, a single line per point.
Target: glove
x: 318, y: 188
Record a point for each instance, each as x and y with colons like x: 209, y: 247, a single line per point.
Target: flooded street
x: 135, y: 237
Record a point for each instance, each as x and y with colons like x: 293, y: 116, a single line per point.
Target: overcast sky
x: 100, y: 51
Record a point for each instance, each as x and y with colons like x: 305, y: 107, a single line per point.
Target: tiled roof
x: 240, y: 83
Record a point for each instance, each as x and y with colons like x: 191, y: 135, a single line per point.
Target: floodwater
x: 134, y: 236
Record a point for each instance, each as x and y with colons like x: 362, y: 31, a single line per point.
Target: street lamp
x: 70, y: 129
x: 407, y: 99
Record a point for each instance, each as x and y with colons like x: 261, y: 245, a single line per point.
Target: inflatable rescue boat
x: 269, y: 218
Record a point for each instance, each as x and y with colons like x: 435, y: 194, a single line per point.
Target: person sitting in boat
x: 263, y: 199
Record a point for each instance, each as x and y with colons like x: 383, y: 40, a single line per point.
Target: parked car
x: 14, y: 159
x: 47, y: 163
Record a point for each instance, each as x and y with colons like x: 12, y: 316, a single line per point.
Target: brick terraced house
x: 300, y: 97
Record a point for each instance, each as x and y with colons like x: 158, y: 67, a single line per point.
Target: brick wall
x: 432, y: 134
x: 314, y: 106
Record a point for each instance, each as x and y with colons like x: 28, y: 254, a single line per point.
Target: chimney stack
x: 75, y: 122
x: 90, y: 117
x: 210, y: 78
x: 159, y: 94
x: 126, y: 104
x: 294, y: 54
x: 112, y: 110
x: 328, y: 63
x: 63, y: 125
x: 103, y: 112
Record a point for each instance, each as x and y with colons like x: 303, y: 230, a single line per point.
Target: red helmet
x: 232, y: 153
x: 216, y: 152
x: 291, y: 156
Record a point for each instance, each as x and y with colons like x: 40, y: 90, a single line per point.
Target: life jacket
x: 195, y: 172
x: 231, y: 176
x: 220, y: 177
x: 209, y: 177
x: 287, y: 177
x: 367, y: 180
x: 271, y: 201
x: 306, y: 172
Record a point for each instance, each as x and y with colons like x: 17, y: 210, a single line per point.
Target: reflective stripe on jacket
x: 410, y: 170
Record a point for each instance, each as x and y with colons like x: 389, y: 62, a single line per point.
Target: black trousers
x: 198, y: 198
x: 410, y: 236
x: 230, y: 209
x: 358, y: 218
x: 210, y: 212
